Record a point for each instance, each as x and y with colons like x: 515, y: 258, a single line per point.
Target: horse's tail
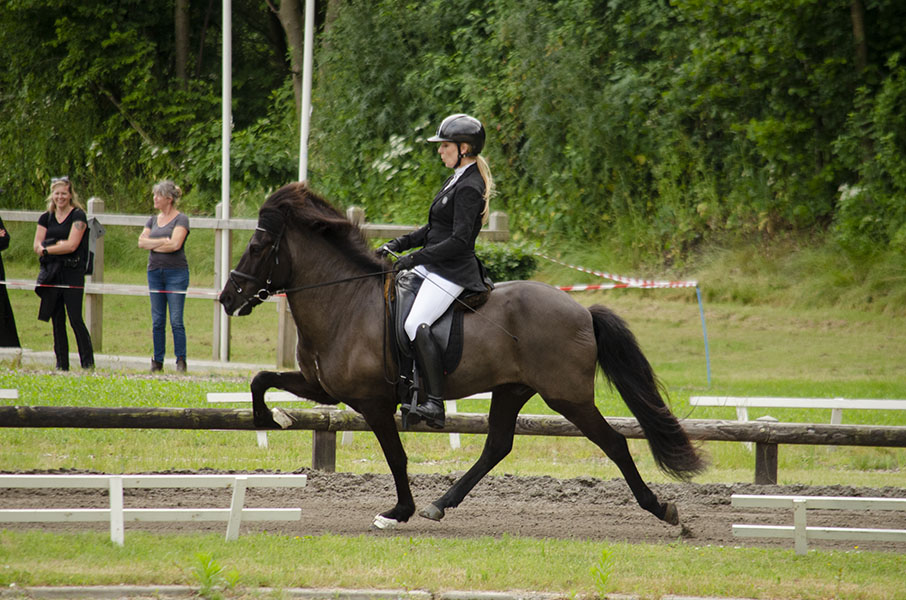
x: 629, y: 371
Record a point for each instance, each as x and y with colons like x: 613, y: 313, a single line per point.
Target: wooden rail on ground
x: 325, y: 422
x: 800, y: 533
x: 836, y: 405
x: 117, y: 515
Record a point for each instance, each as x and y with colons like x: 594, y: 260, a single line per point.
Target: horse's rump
x: 554, y: 341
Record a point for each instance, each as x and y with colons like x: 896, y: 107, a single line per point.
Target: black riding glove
x: 406, y: 262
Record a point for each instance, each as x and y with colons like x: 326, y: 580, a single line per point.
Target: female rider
x: 446, y: 260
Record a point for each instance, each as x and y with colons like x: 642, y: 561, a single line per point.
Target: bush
x: 507, y: 262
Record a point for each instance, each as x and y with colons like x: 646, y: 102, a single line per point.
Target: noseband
x: 265, y: 289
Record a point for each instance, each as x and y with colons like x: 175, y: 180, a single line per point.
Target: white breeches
x: 434, y: 297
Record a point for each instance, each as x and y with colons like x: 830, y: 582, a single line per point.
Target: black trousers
x: 70, y: 301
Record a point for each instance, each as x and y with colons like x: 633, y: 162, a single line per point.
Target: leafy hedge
x: 507, y: 262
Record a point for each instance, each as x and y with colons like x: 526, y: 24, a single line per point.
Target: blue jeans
x: 168, y: 280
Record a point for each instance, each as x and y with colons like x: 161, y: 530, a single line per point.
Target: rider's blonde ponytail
x: 485, y: 172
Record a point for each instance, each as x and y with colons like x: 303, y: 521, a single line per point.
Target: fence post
x: 324, y: 450
x: 355, y: 215
x: 286, y: 335
x: 766, y: 458
x: 94, y: 303
x: 218, y: 250
x: 498, y: 221
x: 765, y: 463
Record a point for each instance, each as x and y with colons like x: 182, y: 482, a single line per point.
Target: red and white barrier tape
x: 625, y: 282
x: 106, y: 288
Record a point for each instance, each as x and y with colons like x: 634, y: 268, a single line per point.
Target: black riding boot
x: 431, y: 368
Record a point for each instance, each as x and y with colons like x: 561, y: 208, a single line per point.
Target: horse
x: 527, y: 338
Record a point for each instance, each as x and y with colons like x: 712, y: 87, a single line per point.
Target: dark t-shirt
x: 168, y: 260
x: 60, y: 231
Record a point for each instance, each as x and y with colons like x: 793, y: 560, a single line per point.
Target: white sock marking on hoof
x: 383, y: 523
x: 282, y: 419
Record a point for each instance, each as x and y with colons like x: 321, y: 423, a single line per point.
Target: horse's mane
x: 304, y: 208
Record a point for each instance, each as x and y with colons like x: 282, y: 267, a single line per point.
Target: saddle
x: 447, y: 330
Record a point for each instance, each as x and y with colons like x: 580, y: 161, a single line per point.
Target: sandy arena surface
x: 542, y: 507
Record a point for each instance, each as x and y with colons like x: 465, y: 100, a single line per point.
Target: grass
x: 768, y: 333
x: 566, y: 567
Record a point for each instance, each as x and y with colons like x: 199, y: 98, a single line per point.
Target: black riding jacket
x: 448, y: 240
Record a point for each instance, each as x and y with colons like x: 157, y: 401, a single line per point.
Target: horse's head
x: 295, y: 225
x: 259, y: 273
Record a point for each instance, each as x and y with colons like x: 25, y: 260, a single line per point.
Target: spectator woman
x: 164, y: 236
x: 9, y: 336
x: 61, y: 243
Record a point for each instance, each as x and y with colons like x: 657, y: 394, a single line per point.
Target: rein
x: 334, y: 282
x: 265, y: 290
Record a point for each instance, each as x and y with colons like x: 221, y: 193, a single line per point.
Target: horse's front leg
x: 383, y: 425
x: 293, y: 382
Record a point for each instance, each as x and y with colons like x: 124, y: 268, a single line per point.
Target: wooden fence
x: 118, y: 515
x: 325, y: 422
x: 801, y: 533
x: 95, y: 287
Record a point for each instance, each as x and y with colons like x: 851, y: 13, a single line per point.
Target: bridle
x: 265, y: 290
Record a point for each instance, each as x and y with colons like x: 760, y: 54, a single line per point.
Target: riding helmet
x: 461, y: 128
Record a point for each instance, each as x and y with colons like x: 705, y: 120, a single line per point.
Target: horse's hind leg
x: 293, y: 382
x: 505, y: 405
x: 590, y: 422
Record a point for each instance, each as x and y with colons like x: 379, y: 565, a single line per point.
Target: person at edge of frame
x: 9, y: 335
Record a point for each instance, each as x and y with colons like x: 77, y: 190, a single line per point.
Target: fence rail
x: 117, y: 515
x: 95, y: 290
x: 325, y: 422
x: 801, y: 533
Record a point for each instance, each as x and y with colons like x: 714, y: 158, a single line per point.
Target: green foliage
x: 657, y: 126
x: 602, y: 570
x: 507, y: 262
x: 871, y: 211
x: 212, y: 580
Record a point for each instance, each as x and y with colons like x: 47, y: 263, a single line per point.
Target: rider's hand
x: 391, y: 246
x: 405, y: 262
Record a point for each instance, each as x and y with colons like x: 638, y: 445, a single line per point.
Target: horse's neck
x: 347, y: 301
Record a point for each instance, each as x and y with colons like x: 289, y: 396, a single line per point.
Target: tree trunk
x: 290, y: 13
x: 181, y: 30
x: 333, y: 10
x: 204, y: 30
x: 857, y: 10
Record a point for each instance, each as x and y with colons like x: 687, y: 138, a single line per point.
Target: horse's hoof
x: 432, y: 512
x: 383, y: 523
x: 671, y: 515
x: 281, y: 418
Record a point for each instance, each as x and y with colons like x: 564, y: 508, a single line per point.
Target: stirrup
x: 434, y: 418
x: 409, y: 406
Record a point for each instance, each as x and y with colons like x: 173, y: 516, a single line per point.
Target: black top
x: 60, y: 231
x: 448, y: 240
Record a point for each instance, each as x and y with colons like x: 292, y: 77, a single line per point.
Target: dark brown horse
x: 528, y: 338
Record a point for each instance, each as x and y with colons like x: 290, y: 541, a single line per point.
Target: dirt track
x: 581, y: 508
